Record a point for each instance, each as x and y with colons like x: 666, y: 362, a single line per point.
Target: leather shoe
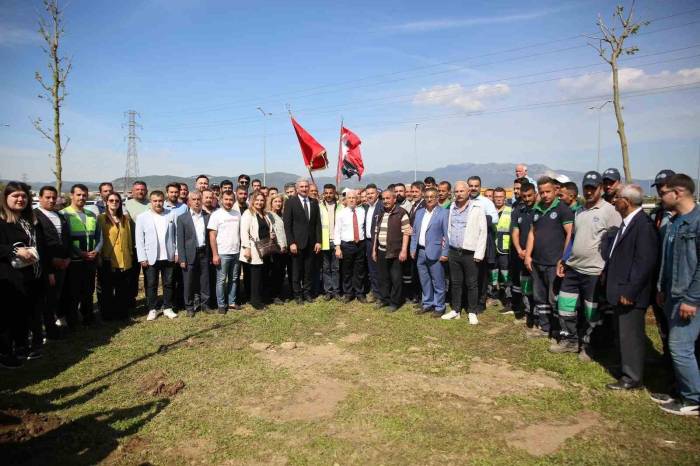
x: 299, y: 300
x: 347, y: 298
x: 328, y: 297
x: 622, y: 385
x: 362, y: 298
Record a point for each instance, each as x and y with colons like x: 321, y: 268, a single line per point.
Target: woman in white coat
x: 255, y: 226
x: 278, y: 262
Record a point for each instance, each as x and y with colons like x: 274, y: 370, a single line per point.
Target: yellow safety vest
x: 325, y: 225
x: 503, y: 231
x: 83, y: 235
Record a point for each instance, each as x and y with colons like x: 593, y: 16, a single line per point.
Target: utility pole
x: 599, y: 110
x: 265, y: 115
x: 132, y: 158
x: 415, y: 152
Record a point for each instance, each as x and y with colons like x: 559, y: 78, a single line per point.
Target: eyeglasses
x: 113, y: 200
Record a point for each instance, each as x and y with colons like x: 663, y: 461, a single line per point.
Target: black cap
x: 662, y: 177
x: 612, y: 174
x: 593, y: 179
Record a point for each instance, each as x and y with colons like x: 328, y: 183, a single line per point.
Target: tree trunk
x: 55, y: 90
x: 620, y: 123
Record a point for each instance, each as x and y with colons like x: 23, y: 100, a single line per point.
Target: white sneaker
x: 61, y: 322
x: 169, y: 313
x: 472, y: 319
x: 152, y: 314
x: 451, y: 315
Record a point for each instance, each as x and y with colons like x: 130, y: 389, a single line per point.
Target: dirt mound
x: 20, y: 425
x: 545, y: 438
x: 157, y: 384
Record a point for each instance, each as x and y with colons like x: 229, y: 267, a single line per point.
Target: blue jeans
x: 226, y: 280
x: 681, y: 342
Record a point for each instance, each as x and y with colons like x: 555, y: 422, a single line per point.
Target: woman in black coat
x: 20, y: 272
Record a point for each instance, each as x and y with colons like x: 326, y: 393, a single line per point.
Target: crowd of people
x: 580, y: 269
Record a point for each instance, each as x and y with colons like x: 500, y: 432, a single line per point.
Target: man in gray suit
x: 155, y: 249
x: 194, y: 254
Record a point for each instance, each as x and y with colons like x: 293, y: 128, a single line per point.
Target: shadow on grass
x: 86, y: 440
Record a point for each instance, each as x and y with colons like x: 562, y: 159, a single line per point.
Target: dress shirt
x: 343, y: 225
x: 424, y: 226
x: 199, y: 227
x: 306, y: 206
x: 368, y: 218
x: 489, y: 207
x: 625, y: 223
x: 161, y: 221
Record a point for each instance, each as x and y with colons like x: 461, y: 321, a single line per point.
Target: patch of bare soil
x: 353, y: 338
x: 20, y: 425
x: 546, y: 438
x: 319, y: 394
x: 132, y: 451
x: 157, y: 384
x: 484, y: 381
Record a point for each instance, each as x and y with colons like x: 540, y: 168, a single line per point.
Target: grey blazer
x: 187, y: 237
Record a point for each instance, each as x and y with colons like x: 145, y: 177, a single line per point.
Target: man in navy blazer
x: 632, y: 259
x: 429, y: 249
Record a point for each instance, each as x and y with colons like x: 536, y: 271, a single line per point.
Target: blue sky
x: 486, y: 81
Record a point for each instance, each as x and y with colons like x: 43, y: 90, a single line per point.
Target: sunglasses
x: 113, y: 200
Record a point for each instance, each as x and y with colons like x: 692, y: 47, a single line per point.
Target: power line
x: 403, y: 97
x: 508, y: 109
x: 444, y: 63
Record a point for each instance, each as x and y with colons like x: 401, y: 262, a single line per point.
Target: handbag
x: 19, y: 263
x: 267, y: 247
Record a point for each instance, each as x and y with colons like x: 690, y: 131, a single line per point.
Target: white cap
x: 562, y: 179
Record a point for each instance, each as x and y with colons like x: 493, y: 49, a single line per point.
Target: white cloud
x: 454, y: 95
x: 441, y: 24
x: 631, y: 79
x: 11, y: 36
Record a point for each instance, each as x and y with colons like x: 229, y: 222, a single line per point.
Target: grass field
x: 328, y: 384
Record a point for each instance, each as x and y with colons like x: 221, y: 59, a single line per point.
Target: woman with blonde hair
x: 116, y: 259
x: 256, y: 227
x: 278, y: 262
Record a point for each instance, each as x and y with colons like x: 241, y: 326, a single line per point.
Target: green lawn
x: 360, y: 387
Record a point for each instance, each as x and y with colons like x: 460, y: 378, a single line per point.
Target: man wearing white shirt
x: 155, y: 249
x: 194, y: 254
x: 350, y: 248
x: 224, y: 229
x: 371, y: 211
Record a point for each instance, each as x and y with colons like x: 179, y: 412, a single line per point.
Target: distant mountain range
x: 492, y: 175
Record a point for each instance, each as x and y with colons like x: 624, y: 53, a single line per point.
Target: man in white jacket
x: 467, y: 234
x: 155, y: 249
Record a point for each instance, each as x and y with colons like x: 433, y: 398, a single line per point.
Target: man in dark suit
x: 629, y: 271
x: 56, y: 257
x: 302, y: 225
x: 372, y: 210
x: 194, y: 253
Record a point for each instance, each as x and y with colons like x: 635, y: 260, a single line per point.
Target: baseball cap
x: 612, y: 174
x: 592, y: 178
x: 561, y: 179
x: 662, y: 176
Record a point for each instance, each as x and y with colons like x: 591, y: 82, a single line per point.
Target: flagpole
x: 340, y: 155
x: 308, y: 167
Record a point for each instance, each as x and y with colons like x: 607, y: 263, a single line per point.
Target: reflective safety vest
x: 326, y: 225
x: 83, y: 235
x: 503, y: 231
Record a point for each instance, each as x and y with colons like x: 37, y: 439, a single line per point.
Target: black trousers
x: 21, y: 313
x: 372, y: 271
x: 545, y: 288
x: 164, y: 269
x: 257, y: 293
x: 178, y: 288
x: 51, y: 302
x: 464, y: 274
x: 353, y: 267
x: 275, y: 275
x: 302, y: 272
x: 134, y: 281
x: 195, y: 278
x: 632, y: 342
x: 115, y: 291
x: 78, y: 292
x: 390, y: 279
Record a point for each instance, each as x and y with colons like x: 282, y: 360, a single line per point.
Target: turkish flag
x: 351, y: 156
x: 314, y: 153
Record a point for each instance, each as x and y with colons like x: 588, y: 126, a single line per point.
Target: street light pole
x: 415, y: 152
x: 265, y: 115
x: 599, y: 110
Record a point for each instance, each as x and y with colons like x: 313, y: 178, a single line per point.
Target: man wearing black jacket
x: 55, y: 231
x: 632, y: 259
x: 302, y: 225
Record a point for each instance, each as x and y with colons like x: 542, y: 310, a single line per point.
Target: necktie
x: 619, y: 235
x: 355, y: 227
x: 306, y: 208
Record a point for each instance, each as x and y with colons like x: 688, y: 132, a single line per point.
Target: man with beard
x: 580, y: 273
x: 474, y: 183
x: 611, y: 182
x: 522, y: 282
